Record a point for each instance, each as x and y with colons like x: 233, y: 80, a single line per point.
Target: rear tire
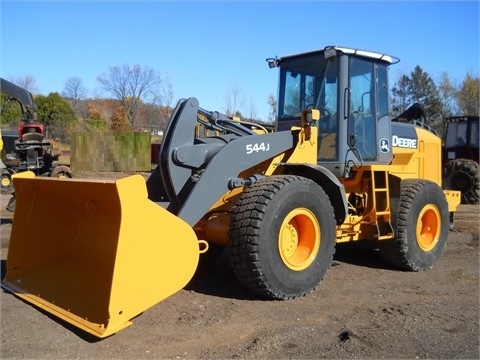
x: 61, y: 171
x: 421, y: 224
x: 282, y: 237
x: 463, y: 175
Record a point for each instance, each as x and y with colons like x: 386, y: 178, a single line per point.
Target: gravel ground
x: 363, y: 309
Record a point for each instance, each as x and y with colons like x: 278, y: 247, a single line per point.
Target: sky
x: 207, y: 48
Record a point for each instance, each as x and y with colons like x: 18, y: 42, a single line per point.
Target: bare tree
x: 131, y: 87
x: 233, y: 100
x: 75, y: 92
x: 28, y: 82
x: 158, y: 112
x: 272, y: 103
x: 167, y: 92
x: 251, y: 111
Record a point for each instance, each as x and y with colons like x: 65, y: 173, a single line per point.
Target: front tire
x: 282, y: 237
x: 421, y: 224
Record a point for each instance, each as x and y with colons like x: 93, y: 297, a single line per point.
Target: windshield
x: 456, y: 134
x: 309, y: 81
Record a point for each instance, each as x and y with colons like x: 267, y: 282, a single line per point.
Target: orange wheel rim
x: 299, y: 239
x: 428, y: 227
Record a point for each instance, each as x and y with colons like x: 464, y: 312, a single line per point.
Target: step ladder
x: 381, y: 205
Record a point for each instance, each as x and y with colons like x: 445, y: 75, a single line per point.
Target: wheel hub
x: 299, y: 239
x: 428, y: 228
x: 289, y: 240
x: 6, y: 181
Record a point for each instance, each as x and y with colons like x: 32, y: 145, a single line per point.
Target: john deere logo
x: 404, y: 142
x: 384, y: 145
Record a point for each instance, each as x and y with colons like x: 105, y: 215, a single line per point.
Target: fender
x: 329, y: 183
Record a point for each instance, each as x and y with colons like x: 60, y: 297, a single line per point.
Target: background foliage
x: 139, y: 99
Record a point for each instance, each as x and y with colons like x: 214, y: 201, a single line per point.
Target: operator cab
x: 350, y: 88
x: 461, y: 138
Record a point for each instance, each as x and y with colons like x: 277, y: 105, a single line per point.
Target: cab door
x: 369, y: 123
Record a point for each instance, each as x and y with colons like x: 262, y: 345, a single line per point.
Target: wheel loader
x: 336, y: 169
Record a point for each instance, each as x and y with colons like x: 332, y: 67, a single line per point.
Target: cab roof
x: 350, y: 51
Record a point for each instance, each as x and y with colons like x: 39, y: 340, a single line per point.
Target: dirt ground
x: 363, y: 309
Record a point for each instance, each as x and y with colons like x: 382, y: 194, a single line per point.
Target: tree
x: 167, y: 94
x: 156, y: 117
x: 131, y: 86
x: 94, y: 110
x: 447, y: 92
x: 28, y: 82
x: 119, y: 120
x: 468, y: 96
x: 401, y: 97
x: 251, y: 111
x: 423, y: 90
x: 272, y: 103
x: 56, y: 114
x: 157, y: 114
x: 10, y: 112
x: 420, y: 88
x: 95, y: 118
x: 232, y: 100
x: 74, y: 91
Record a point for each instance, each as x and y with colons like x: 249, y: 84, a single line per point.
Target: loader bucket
x: 96, y: 253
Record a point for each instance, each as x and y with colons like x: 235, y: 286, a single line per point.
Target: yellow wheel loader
x: 336, y: 169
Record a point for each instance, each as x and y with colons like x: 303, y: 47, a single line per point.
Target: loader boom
x: 194, y: 173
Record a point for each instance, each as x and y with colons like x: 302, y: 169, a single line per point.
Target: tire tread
x: 246, y: 223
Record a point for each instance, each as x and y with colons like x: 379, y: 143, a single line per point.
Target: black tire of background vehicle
x: 61, y: 171
x: 6, y: 182
x: 421, y: 225
x: 463, y: 175
x: 273, y: 221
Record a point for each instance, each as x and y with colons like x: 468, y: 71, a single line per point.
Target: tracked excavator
x: 336, y: 169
